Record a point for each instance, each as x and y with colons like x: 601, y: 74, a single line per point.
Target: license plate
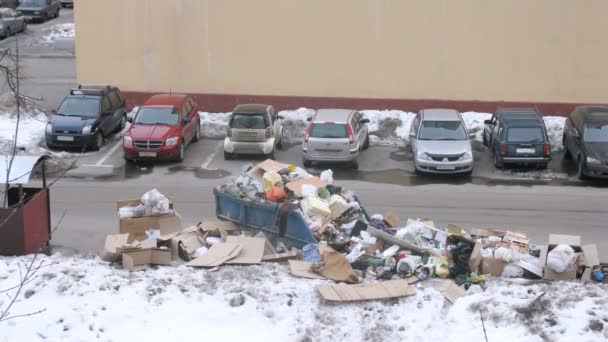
x: 147, y: 154
x: 65, y: 138
x: 526, y: 150
x: 446, y: 167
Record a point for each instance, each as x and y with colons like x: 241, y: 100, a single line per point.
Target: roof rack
x: 91, y: 89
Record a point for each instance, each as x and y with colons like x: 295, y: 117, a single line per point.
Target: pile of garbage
x: 273, y: 212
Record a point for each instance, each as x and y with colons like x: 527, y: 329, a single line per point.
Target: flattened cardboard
x: 257, y: 172
x: 336, y: 266
x: 591, y: 255
x: 281, y: 257
x: 268, y: 247
x: 217, y: 255
x: 451, y: 291
x: 296, y: 186
x: 188, y: 243
x: 301, y: 269
x: 211, y: 226
x: 392, y: 219
x: 362, y: 292
x: 252, y: 250
x: 135, y: 260
x: 112, y: 247
x: 493, y: 266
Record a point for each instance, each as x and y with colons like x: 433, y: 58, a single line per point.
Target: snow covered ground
x: 87, y: 299
x: 386, y: 127
x: 52, y: 33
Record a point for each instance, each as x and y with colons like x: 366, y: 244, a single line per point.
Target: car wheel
x: 197, y: 136
x: 280, y: 143
x: 182, y: 153
x: 228, y: 156
x: 567, y: 154
x: 366, y: 143
x: 416, y: 170
x: 580, y: 174
x: 542, y: 166
x: 270, y: 155
x: 122, y: 125
x: 98, y: 141
x: 307, y: 163
x: 499, y: 164
x: 355, y: 164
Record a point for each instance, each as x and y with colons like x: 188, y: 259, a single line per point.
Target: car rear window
x: 327, y: 130
x: 248, y: 121
x: 525, y: 134
x: 596, y: 132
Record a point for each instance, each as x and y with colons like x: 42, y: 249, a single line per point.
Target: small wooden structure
x: 25, y: 221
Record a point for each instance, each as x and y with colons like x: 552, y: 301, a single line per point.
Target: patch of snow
x: 87, y: 299
x: 391, y: 127
x: 214, y: 125
x: 532, y: 174
x: 57, y: 31
x: 31, y: 130
x: 474, y: 123
x: 555, y: 130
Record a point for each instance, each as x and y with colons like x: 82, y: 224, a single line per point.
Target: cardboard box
x: 252, y: 250
x: 392, y: 219
x: 301, y: 269
x: 137, y: 259
x: 296, y: 186
x: 361, y: 292
x: 136, y: 227
x: 217, y: 255
x: 493, y: 266
x: 574, y: 242
x: 517, y: 240
x: 486, y: 232
x: 257, y: 172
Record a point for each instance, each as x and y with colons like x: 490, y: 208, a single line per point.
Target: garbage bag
x: 327, y: 177
x: 151, y: 197
x: 512, y: 271
x: 275, y: 194
x: 130, y: 212
x: 504, y: 253
x: 308, y: 190
x: 272, y: 179
x: 561, y: 258
x: 355, y: 253
x: 162, y: 207
x: 244, y: 178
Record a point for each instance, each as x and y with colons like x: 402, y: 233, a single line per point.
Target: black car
x: 586, y: 140
x: 517, y: 136
x: 86, y: 116
x: 40, y: 10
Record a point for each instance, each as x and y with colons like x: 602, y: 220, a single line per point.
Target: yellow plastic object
x: 272, y: 179
x: 292, y: 168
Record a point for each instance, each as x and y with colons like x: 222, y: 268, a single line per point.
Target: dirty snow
x: 58, y: 31
x: 87, y: 299
x: 31, y: 129
x: 386, y: 127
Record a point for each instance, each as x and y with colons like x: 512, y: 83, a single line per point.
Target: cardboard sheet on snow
x: 361, y: 292
x: 301, y: 269
x: 336, y: 267
x: 212, y: 226
x: 267, y: 165
x: 137, y: 259
x: 296, y: 186
x: 217, y: 255
x: 252, y: 250
x: 112, y: 247
x: 451, y: 291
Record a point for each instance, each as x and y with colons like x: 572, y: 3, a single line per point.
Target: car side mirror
x: 186, y: 121
x: 129, y: 119
x: 364, y: 121
x: 412, y: 135
x: 309, y: 119
x: 488, y: 122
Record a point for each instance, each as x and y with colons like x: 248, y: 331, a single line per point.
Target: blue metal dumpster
x: 261, y: 216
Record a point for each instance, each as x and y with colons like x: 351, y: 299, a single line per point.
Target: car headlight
x: 49, y: 128
x: 172, y: 141
x: 423, y: 156
x: 128, y: 140
x: 593, y: 161
x: 87, y: 129
x: 467, y: 156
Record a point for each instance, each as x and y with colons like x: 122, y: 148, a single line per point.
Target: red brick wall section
x: 226, y: 103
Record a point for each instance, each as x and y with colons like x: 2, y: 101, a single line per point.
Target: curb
x: 36, y: 56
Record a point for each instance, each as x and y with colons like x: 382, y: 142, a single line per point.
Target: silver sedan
x: 11, y: 22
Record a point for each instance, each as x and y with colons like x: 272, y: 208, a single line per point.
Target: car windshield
x: 326, y: 130
x: 157, y: 116
x: 525, y: 134
x: 248, y: 121
x: 87, y: 106
x: 442, y: 130
x: 596, y: 132
x: 32, y: 3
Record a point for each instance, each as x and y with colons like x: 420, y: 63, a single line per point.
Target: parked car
x: 11, y: 22
x: 335, y: 135
x: 253, y: 129
x: 39, y: 10
x: 9, y: 3
x: 162, y: 128
x: 86, y: 116
x: 66, y: 3
x: 586, y: 140
x: 440, y: 142
x: 517, y: 136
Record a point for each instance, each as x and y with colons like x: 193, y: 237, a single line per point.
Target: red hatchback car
x: 162, y: 128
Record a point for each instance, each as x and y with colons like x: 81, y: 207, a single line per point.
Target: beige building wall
x: 491, y: 50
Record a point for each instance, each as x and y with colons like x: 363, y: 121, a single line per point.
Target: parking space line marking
x: 109, y: 153
x: 209, y: 158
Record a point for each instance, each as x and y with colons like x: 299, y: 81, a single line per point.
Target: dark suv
x: 517, y: 136
x: 86, y: 116
x: 586, y: 140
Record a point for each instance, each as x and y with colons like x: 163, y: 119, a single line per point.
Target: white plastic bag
x: 327, y: 176
x: 378, y: 217
x: 308, y: 190
x: 389, y: 252
x: 561, y: 258
x: 367, y: 238
x: 130, y: 212
x: 355, y: 253
x: 504, y: 253
x: 162, y: 207
x: 151, y: 197
x: 512, y: 271
x: 212, y: 240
